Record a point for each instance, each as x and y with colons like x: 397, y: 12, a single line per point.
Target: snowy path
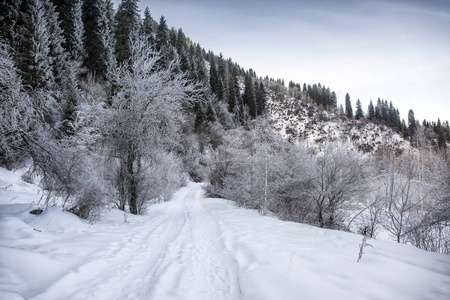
x: 173, y: 253
x: 198, y: 248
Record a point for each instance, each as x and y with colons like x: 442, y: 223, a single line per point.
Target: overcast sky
x: 397, y: 50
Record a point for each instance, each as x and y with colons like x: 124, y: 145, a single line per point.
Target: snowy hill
x: 299, y: 120
x: 198, y: 248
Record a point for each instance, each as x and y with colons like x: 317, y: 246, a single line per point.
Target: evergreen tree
x: 162, y: 41
x: 333, y: 100
x: 441, y: 135
x: 93, y: 45
x: 378, y: 110
x: 371, y: 111
x: 56, y: 42
x: 34, y: 57
x: 148, y: 26
x: 384, y: 110
x: 260, y: 98
x: 359, y: 112
x: 213, y: 78
x: 106, y: 31
x: 9, y: 22
x: 232, y: 93
x: 127, y: 22
x: 348, y: 107
x: 411, y: 124
x: 249, y: 97
x: 181, y: 50
x: 75, y: 39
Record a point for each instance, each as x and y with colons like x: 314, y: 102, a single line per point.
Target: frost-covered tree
x: 339, y: 178
x: 16, y: 109
x: 76, y: 37
x: 146, y: 113
x: 9, y: 21
x: 34, y: 55
x: 56, y: 42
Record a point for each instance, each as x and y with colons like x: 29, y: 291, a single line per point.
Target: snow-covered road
x: 198, y: 248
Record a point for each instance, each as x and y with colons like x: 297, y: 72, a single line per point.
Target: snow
x: 198, y: 248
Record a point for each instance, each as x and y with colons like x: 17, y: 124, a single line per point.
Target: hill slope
x: 198, y: 248
x: 299, y: 120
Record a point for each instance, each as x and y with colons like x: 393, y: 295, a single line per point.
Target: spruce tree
x: 333, y: 100
x: 148, y: 26
x: 359, y: 112
x: 34, y: 58
x: 162, y: 41
x: 127, y: 22
x: 9, y: 22
x: 107, y: 39
x: 213, y: 77
x: 411, y: 124
x: 94, y: 60
x: 249, y: 97
x: 56, y: 42
x: 75, y: 38
x: 231, y: 91
x: 371, y: 111
x: 348, y: 107
x: 260, y: 98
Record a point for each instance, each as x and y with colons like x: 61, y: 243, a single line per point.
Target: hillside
x: 298, y: 120
x: 197, y: 248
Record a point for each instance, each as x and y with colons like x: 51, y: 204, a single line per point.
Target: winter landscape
x: 135, y: 164
x: 194, y: 247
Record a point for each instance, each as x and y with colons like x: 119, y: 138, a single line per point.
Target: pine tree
x: 75, y: 39
x: 181, y: 50
x: 106, y: 31
x: 411, y: 124
x: 348, y: 107
x: 162, y: 41
x: 260, y: 98
x: 333, y: 100
x: 359, y: 112
x: 34, y: 57
x: 249, y: 97
x: 441, y: 135
x: 378, y: 110
x: 213, y: 77
x: 127, y: 22
x: 56, y: 42
x: 9, y: 22
x: 371, y: 111
x: 231, y: 91
x: 94, y: 60
x: 148, y: 26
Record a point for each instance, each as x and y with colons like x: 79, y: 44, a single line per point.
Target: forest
x: 108, y: 107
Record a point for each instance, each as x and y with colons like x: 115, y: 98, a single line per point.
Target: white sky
x: 397, y: 50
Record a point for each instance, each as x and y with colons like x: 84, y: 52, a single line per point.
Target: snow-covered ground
x: 198, y: 248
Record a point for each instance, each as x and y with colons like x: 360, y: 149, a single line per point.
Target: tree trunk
x: 133, y: 193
